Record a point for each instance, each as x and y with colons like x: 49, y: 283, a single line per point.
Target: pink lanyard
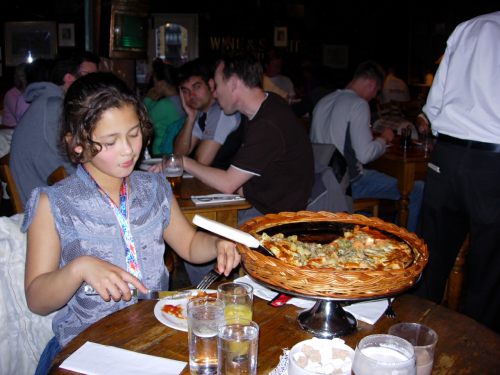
x: 121, y: 214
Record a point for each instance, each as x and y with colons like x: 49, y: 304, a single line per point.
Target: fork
x: 389, y: 311
x: 208, y: 279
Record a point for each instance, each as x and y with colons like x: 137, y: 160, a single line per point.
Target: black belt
x: 476, y: 145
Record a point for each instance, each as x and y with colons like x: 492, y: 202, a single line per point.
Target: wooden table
x: 226, y: 213
x: 407, y: 167
x: 464, y: 346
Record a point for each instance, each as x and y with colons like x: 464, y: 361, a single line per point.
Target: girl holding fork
x: 104, y: 226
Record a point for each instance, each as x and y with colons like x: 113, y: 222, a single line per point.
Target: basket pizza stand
x: 329, y: 286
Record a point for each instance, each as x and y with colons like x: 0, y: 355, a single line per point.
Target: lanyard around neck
x: 122, y: 216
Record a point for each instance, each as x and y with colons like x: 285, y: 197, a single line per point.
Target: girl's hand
x: 155, y: 168
x: 227, y: 256
x: 110, y: 281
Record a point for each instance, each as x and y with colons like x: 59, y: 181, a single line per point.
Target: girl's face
x: 119, y: 133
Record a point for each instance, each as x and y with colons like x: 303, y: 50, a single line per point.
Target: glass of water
x: 384, y: 354
x: 205, y: 316
x: 238, y: 348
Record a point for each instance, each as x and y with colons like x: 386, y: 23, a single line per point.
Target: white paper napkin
x: 368, y: 312
x: 97, y: 359
x: 215, y: 198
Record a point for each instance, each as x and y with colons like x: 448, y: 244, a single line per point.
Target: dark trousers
x: 462, y: 195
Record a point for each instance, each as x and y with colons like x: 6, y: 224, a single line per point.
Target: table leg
x: 405, y: 186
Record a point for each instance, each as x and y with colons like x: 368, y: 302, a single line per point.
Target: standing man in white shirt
x: 462, y: 193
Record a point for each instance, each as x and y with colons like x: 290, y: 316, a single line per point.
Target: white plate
x: 151, y: 161
x: 168, y: 319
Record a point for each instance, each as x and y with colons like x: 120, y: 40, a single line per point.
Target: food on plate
x: 179, y: 310
x: 175, y: 310
x: 202, y: 293
x: 360, y: 248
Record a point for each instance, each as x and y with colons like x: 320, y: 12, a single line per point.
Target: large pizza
x: 336, y: 255
x: 361, y: 248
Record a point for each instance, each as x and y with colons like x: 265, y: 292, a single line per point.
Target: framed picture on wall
x: 27, y: 41
x: 280, y: 36
x: 66, y: 34
x: 128, y: 30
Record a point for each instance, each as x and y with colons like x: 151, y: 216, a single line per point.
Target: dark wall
x: 407, y: 35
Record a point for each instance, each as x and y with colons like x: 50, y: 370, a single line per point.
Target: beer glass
x: 173, y: 169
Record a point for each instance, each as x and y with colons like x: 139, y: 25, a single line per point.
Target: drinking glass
x: 384, y: 354
x: 424, y: 341
x: 173, y: 169
x: 426, y: 140
x: 205, y: 316
x: 238, y: 348
x: 238, y: 301
x: 405, y: 138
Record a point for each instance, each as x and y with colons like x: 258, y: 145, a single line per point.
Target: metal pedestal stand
x: 327, y: 319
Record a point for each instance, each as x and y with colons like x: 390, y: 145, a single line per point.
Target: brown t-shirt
x: 276, y: 149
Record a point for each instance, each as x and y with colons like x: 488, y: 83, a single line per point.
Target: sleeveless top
x: 87, y: 225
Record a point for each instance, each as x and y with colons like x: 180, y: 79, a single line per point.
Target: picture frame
x: 66, y: 34
x: 26, y: 41
x: 280, y: 36
x: 336, y: 56
x: 128, y: 34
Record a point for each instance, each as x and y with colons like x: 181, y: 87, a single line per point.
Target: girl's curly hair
x: 85, y: 102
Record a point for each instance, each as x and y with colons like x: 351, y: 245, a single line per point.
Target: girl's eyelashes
x: 135, y: 133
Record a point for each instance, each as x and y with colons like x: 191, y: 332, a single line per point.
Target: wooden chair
x: 456, y: 278
x: 367, y: 204
x: 6, y: 176
x: 58, y: 175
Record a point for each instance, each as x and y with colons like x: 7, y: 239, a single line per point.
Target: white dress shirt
x: 464, y: 100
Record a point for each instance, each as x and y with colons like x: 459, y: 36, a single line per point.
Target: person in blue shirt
x: 105, y: 225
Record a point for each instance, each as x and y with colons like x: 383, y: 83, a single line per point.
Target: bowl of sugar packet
x: 320, y: 356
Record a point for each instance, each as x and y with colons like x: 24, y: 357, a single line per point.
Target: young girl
x: 104, y: 226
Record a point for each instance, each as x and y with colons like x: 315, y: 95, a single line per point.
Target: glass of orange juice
x: 238, y: 301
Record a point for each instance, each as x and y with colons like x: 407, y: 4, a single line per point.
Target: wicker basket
x: 327, y: 282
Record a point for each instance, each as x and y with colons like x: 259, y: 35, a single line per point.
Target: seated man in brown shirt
x: 274, y: 168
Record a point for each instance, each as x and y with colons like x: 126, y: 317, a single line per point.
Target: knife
x: 231, y: 233
x: 150, y: 295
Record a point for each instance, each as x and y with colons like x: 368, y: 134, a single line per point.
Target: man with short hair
x: 35, y: 151
x: 208, y: 134
x: 341, y: 123
x: 273, y: 169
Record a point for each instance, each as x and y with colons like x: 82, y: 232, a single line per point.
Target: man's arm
x: 365, y: 146
x: 185, y: 142
x: 206, y: 151
x: 226, y: 181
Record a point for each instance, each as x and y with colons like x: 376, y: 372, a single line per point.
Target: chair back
x: 327, y: 194
x: 58, y: 175
x: 6, y: 176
